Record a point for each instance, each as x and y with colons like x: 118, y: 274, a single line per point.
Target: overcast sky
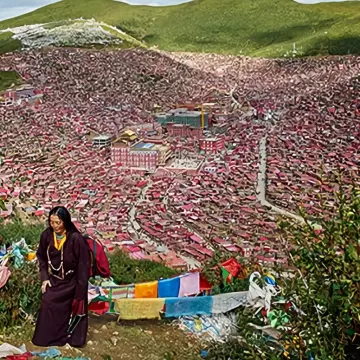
x: 319, y: 1
x: 12, y: 8
x: 154, y: 2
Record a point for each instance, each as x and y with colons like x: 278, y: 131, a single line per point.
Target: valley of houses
x: 166, y: 167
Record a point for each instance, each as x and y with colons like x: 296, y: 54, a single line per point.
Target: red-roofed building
x: 183, y: 130
x: 212, y: 145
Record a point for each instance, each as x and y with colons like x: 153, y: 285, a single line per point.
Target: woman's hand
x: 44, y: 285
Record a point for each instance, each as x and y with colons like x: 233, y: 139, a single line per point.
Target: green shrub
x: 7, y: 79
x: 8, y: 44
x: 15, y: 231
x: 20, y: 296
x: 326, y: 288
x: 127, y: 271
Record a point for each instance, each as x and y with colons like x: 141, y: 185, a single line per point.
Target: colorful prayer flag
x: 168, y: 288
x: 146, y: 290
x: 189, y: 284
x: 135, y: 309
x: 188, y: 306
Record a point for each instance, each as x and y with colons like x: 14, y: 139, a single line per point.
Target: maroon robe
x: 56, y: 305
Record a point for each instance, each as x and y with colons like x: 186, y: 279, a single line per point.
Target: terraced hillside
x: 267, y: 167
x: 270, y: 28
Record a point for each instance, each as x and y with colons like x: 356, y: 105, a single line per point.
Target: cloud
x: 319, y: 1
x: 154, y: 2
x: 12, y: 8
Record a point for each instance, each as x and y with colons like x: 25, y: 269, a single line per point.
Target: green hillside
x: 250, y: 27
x: 8, y: 79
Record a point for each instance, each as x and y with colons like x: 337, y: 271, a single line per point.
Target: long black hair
x: 64, y: 216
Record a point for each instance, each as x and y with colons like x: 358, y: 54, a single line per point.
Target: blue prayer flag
x: 201, y: 305
x: 168, y: 288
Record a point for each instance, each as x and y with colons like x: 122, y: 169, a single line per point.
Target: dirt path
x: 261, y: 188
x: 261, y: 184
x: 135, y: 228
x: 109, y: 340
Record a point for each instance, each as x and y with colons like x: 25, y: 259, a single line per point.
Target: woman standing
x: 64, y: 258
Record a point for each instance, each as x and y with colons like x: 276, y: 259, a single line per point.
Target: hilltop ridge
x: 275, y: 28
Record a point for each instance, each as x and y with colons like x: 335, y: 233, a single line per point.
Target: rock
x: 96, y: 331
x: 90, y: 342
x: 114, y: 340
x: 103, y: 328
x: 111, y: 324
x: 115, y: 333
x: 148, y: 332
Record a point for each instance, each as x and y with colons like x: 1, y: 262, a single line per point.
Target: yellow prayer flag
x: 136, y: 309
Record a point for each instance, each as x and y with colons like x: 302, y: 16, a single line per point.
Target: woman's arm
x: 42, y: 257
x: 83, y: 267
x: 82, y: 274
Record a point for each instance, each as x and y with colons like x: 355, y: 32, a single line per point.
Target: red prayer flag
x: 232, y: 266
x: 99, y: 307
x: 204, y: 284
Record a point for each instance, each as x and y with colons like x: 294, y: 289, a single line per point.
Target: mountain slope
x: 250, y: 27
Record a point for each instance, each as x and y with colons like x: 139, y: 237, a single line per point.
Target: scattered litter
x: 2, y: 251
x: 267, y: 330
x: 17, y: 252
x: 7, y: 350
x: 70, y: 358
x: 49, y: 353
x: 210, y: 328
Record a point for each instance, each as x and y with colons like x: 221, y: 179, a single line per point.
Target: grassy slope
x: 128, y: 41
x: 7, y: 78
x: 254, y: 27
x: 7, y: 44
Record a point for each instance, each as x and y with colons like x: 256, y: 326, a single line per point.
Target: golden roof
x: 128, y: 133
x: 126, y: 138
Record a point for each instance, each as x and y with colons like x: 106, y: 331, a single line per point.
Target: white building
x: 101, y: 141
